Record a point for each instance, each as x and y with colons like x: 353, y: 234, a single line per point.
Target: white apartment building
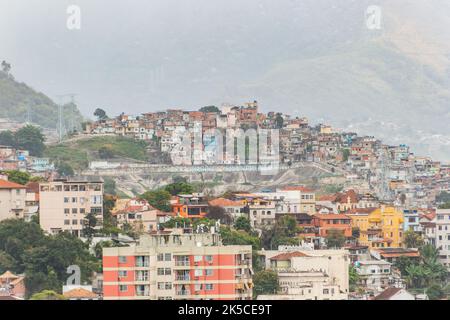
x: 65, y: 203
x: 443, y: 235
x: 309, y: 274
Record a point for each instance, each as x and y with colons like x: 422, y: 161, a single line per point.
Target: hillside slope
x: 19, y: 102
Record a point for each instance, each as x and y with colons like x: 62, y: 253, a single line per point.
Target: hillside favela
x: 240, y: 197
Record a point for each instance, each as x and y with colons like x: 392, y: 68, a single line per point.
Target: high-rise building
x: 178, y: 264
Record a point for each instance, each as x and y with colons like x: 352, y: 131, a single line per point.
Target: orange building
x: 190, y: 206
x: 327, y: 222
x: 178, y: 265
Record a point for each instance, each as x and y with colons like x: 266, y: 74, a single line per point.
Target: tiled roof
x: 331, y: 216
x: 10, y: 185
x: 222, y: 202
x: 297, y: 188
x: 387, y: 294
x: 289, y: 255
x: 79, y: 293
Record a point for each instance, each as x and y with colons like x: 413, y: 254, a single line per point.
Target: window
x: 209, y: 287
x: 66, y: 200
x: 164, y: 286
x: 209, y: 272
x: 66, y: 222
x: 123, y: 273
x: 326, y: 291
x: 164, y: 271
x: 74, y: 210
x: 75, y: 221
x: 74, y: 200
x: 66, y: 210
x: 160, y: 257
x: 198, y: 272
x: 142, y: 275
x: 168, y: 257
x: 123, y: 288
x: 82, y: 210
x: 66, y: 188
x: 198, y: 258
x: 209, y: 258
x: 122, y: 259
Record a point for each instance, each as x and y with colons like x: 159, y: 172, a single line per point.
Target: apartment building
x: 309, y: 274
x: 137, y: 213
x: 379, y: 228
x: 12, y: 200
x: 443, y: 235
x: 64, y: 204
x: 178, y: 264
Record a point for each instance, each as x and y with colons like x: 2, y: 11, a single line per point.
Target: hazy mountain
x: 307, y: 57
x: 21, y: 103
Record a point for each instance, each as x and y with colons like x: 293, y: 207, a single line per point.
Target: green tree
x: 105, y: 152
x: 238, y: 237
x: 64, y: 169
x: 179, y: 188
x: 159, y: 199
x: 100, y: 114
x: 18, y: 176
x: 218, y: 213
x: 345, y: 154
x: 7, y: 138
x: 242, y: 223
x: 413, y: 239
x: 354, y: 278
x: 30, y: 138
x: 110, y: 186
x: 435, y: 292
x: 209, y: 109
x: 7, y: 262
x: 265, y: 282
x: 445, y: 205
x: 47, y: 295
x: 89, y: 225
x: 335, y: 239
x: 279, y: 121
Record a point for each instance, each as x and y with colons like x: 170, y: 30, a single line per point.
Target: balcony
x: 183, y: 277
x: 183, y: 292
x: 182, y: 263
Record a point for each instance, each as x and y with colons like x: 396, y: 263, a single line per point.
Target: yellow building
x: 379, y: 227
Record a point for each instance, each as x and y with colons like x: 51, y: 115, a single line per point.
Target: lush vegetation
x: 265, y: 282
x: 19, y: 102
x: 24, y: 248
x: 284, y: 232
x: 26, y: 138
x: 72, y: 156
x: 424, y: 273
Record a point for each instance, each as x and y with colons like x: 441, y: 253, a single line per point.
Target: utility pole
x: 71, y: 124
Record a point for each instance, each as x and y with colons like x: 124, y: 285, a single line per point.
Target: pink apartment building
x: 178, y: 264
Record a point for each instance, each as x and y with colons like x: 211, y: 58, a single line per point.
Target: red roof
x: 331, y: 216
x: 10, y: 185
x: 297, y: 188
x: 289, y: 255
x: 222, y: 202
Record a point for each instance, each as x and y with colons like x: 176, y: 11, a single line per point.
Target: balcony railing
x: 182, y: 263
x: 183, y: 293
x: 182, y: 277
